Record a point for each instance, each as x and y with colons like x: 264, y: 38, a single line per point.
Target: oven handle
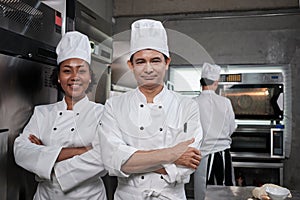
x: 257, y: 165
x: 274, y: 101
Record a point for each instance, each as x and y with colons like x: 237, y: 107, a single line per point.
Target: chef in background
x: 58, y: 143
x: 218, y: 123
x: 150, y: 136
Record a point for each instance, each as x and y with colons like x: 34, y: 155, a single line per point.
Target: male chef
x: 150, y: 136
x: 218, y: 122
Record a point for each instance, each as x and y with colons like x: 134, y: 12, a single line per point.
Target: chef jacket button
x: 161, y: 177
x: 60, y: 113
x: 160, y: 129
x: 160, y: 107
x: 141, y: 105
x: 141, y: 128
x: 54, y: 129
x: 142, y: 177
x: 72, y: 129
x: 77, y: 113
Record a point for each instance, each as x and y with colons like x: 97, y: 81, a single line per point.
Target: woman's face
x: 74, y: 77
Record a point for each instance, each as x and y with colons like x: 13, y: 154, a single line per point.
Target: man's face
x: 149, y: 68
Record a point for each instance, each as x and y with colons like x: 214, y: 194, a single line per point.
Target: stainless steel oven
x: 257, y: 100
x: 254, y: 96
x: 265, y: 141
x: 258, y: 153
x: 258, y: 143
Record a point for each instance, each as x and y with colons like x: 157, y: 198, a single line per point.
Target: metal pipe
x: 231, y: 15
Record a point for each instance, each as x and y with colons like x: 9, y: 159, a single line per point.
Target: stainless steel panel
x: 250, y: 155
x: 30, y: 18
x: 3, y: 162
x: 257, y: 165
x: 23, y: 84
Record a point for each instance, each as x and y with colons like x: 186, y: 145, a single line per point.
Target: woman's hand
x: 161, y: 171
x: 65, y: 153
x: 35, y: 140
x: 70, y: 152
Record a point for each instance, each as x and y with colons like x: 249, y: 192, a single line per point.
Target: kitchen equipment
x: 257, y: 172
x: 3, y: 162
x: 277, y: 143
x: 258, y: 143
x: 29, y: 31
x: 99, y: 32
x: 254, y: 96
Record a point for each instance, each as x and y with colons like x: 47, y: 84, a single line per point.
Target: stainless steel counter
x: 236, y: 193
x: 228, y: 192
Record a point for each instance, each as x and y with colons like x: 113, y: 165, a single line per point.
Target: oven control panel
x: 251, y: 78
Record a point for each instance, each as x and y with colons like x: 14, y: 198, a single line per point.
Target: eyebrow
x: 142, y: 59
x: 156, y: 58
x: 69, y: 66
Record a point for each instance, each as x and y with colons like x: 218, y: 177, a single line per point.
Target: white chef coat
x: 129, y: 124
x: 57, y: 127
x: 217, y: 120
x: 218, y: 123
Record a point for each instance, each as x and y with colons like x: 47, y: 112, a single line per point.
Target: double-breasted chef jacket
x: 129, y: 124
x: 76, y: 178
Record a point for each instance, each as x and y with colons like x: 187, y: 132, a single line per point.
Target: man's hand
x: 190, y: 158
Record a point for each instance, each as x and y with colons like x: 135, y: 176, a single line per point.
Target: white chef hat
x: 73, y: 45
x: 148, y: 34
x: 210, y: 71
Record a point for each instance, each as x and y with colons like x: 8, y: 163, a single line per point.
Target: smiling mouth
x: 75, y: 86
x: 149, y: 77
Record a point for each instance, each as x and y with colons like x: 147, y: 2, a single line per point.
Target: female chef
x: 58, y: 143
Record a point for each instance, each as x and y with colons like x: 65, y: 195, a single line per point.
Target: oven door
x: 255, y: 101
x: 254, y: 139
x: 254, y: 142
x: 258, y: 173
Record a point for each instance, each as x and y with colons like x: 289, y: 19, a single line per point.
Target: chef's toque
x: 73, y: 45
x: 148, y: 34
x: 211, y: 72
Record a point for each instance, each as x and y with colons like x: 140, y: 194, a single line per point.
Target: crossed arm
x: 180, y: 154
x: 65, y: 153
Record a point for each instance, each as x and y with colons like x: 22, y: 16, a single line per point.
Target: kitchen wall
x: 258, y: 34
x: 157, y: 7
